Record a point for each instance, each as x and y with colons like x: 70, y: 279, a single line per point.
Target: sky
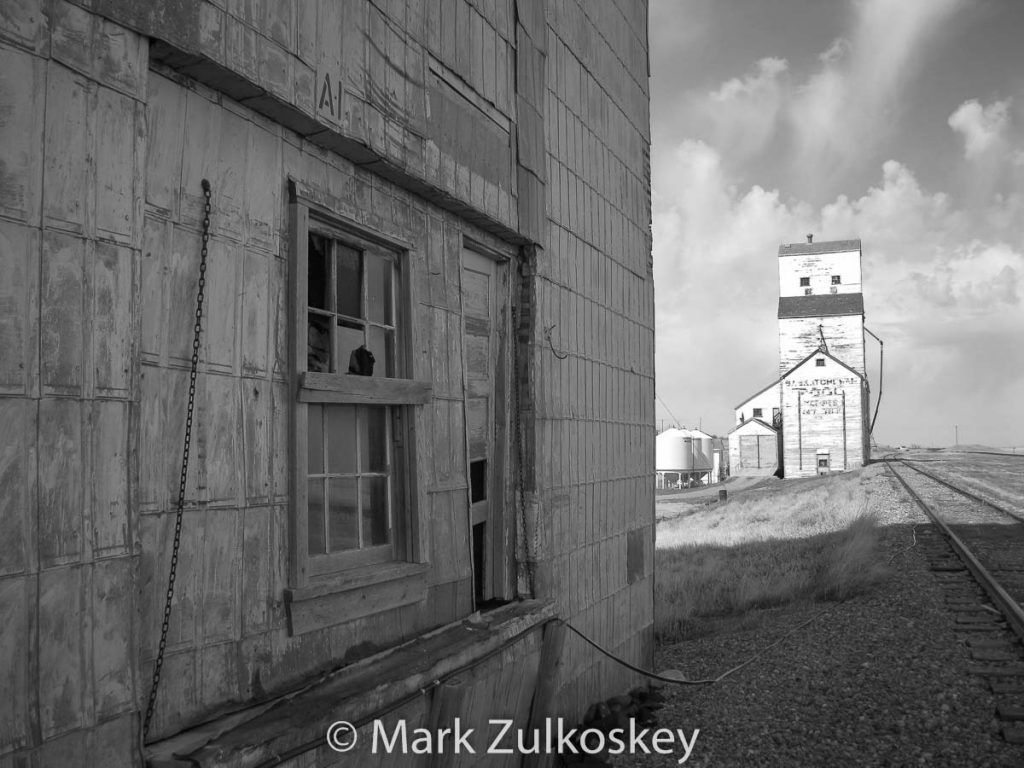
x: 898, y: 122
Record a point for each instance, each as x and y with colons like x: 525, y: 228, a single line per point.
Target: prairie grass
x: 802, y: 541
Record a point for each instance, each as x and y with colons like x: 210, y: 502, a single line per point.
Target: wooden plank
x: 263, y: 200
x: 115, y: 161
x: 16, y: 642
x: 166, y: 131
x: 335, y: 608
x: 62, y: 300
x: 113, y: 590
x: 220, y: 346
x: 18, y: 477
x: 62, y: 624
x: 71, y: 40
x: 67, y: 150
x: 345, y: 388
x: 254, y: 319
x: 22, y: 92
x: 256, y: 445
x: 109, y: 485
x: 19, y: 296
x: 22, y: 23
x: 257, y: 585
x: 220, y: 541
x: 60, y: 481
x: 217, y: 453
x: 113, y: 323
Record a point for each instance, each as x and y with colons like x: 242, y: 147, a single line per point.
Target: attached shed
x: 753, y: 449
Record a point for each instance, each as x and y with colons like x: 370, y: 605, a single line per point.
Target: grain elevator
x: 820, y: 419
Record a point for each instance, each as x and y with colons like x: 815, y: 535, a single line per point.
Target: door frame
x: 500, y: 531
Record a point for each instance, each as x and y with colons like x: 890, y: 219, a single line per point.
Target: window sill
x: 375, y: 390
x: 353, y: 594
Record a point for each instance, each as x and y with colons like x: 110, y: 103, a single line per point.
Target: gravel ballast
x: 879, y: 680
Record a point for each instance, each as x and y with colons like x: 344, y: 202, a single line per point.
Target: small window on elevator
x: 820, y: 362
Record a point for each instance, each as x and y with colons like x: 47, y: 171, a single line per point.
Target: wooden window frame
x: 313, y: 576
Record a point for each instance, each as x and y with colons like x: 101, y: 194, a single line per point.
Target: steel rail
x: 996, y: 453
x: 913, y: 465
x: 1009, y: 607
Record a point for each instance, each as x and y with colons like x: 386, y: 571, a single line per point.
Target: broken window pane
x: 319, y: 273
x: 318, y: 343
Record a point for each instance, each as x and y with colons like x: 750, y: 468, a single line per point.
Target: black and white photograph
x: 513, y: 383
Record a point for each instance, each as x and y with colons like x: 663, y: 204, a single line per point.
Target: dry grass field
x: 793, y: 541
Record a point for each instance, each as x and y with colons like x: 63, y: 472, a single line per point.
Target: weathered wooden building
x: 754, y: 448
x: 423, y: 406
x: 819, y: 405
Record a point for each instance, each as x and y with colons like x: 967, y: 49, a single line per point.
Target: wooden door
x: 484, y: 317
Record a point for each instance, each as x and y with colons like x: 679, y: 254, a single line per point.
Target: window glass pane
x: 318, y: 343
x: 350, y: 338
x: 343, y: 521
x: 381, y: 343
x: 378, y: 290
x: 319, y: 276
x: 315, y: 516
x: 341, y: 439
x: 373, y: 439
x: 375, y: 511
x: 350, y: 283
x: 315, y: 433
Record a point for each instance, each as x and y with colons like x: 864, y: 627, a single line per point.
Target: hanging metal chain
x: 158, y: 665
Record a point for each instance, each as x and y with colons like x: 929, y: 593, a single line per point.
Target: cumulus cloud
x: 828, y: 118
x: 981, y: 127
x: 743, y: 112
x: 942, y: 286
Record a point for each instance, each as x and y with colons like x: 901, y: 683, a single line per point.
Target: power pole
x: 956, y: 435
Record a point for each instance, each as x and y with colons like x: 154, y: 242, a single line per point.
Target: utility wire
x: 663, y: 405
x: 682, y: 681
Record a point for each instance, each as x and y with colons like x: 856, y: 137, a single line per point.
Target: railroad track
x: 976, y: 548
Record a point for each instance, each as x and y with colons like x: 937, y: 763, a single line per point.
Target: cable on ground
x: 679, y: 681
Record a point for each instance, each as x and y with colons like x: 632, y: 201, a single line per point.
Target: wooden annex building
x: 423, y: 406
x: 814, y: 418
